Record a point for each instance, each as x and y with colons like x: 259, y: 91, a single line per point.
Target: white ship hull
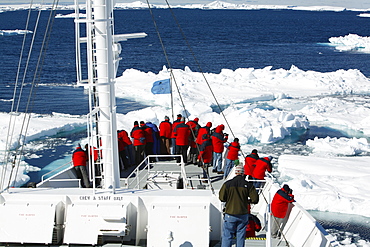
x: 162, y: 216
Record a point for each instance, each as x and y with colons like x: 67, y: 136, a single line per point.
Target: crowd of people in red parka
x: 206, y: 148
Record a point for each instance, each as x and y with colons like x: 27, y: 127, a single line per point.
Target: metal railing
x: 142, y: 171
x: 60, y: 168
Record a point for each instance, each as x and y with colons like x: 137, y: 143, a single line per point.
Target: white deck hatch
x: 22, y: 222
x: 176, y: 224
x: 86, y: 220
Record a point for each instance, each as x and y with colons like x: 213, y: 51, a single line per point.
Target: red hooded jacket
x: 204, y: 130
x: 165, y: 129
x: 206, y: 150
x: 218, y: 139
x: 233, y: 151
x: 175, y: 123
x: 194, y: 128
x: 249, y: 163
x: 138, y: 135
x: 124, y: 135
x: 280, y: 202
x: 148, y: 132
x: 121, y: 143
x: 182, y: 134
x: 260, y: 168
x: 254, y: 225
x: 79, y: 157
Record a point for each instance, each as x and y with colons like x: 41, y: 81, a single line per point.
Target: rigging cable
x: 205, y: 79
x: 173, y: 77
x: 167, y: 60
x: 198, y: 65
x: 15, y: 113
x: 36, y: 78
x: 177, y: 87
x: 37, y: 74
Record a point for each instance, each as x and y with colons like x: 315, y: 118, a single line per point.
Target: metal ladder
x: 91, y: 82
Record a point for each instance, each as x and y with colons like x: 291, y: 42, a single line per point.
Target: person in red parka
x: 279, y: 207
x: 173, y: 137
x: 254, y: 225
x: 232, y: 155
x: 260, y: 167
x: 129, y: 149
x: 92, y: 153
x: 194, y: 128
x: 138, y: 136
x: 205, y: 154
x: 165, y: 132
x: 123, y: 159
x: 249, y: 162
x: 79, y: 159
x: 149, y: 141
x: 204, y: 130
x: 182, y: 134
x: 218, y: 140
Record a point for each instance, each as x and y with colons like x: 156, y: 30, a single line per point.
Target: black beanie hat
x: 286, y: 187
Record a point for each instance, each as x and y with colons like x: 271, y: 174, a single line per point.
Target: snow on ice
x: 297, y: 100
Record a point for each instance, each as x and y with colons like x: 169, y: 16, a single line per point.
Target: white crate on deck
x: 176, y: 224
x: 86, y: 220
x: 22, y: 222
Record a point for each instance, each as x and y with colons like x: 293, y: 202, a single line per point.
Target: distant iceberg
x: 71, y: 15
x: 364, y: 15
x: 212, y: 5
x: 226, y: 5
x: 351, y: 42
x: 14, y: 32
x: 134, y: 5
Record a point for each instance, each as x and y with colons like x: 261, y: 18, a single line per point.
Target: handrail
x: 52, y: 171
x: 138, y: 170
x: 295, y: 215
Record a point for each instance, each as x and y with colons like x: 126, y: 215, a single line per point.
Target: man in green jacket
x: 237, y: 194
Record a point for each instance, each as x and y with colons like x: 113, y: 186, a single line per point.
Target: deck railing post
x: 269, y: 219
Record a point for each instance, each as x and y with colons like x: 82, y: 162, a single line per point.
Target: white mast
x: 101, y: 82
x: 102, y: 55
x: 103, y: 18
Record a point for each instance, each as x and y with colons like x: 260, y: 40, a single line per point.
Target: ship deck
x: 162, y: 178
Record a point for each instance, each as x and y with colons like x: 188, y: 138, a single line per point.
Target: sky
x: 360, y: 4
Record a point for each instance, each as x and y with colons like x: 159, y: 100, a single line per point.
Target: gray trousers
x: 82, y: 174
x: 276, y: 225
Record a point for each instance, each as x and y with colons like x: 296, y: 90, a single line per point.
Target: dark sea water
x: 219, y: 39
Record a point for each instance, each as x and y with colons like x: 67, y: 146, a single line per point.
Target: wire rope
x: 14, y: 113
x: 214, y: 96
x: 36, y: 80
x: 177, y: 88
x: 199, y: 67
x: 174, y: 79
x: 11, y: 125
x: 19, y: 149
